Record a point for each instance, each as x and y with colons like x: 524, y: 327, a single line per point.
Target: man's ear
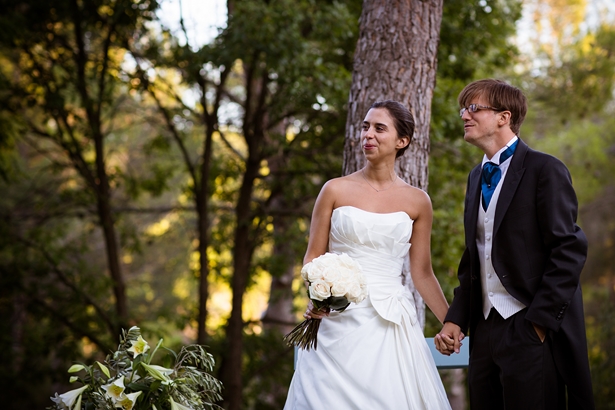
x: 504, y: 118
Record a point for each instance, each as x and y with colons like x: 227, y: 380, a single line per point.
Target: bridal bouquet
x: 127, y: 380
x: 335, y: 281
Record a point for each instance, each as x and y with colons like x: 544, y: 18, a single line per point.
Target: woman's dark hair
x: 402, y: 119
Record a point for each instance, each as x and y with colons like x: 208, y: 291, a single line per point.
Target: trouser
x: 511, y: 369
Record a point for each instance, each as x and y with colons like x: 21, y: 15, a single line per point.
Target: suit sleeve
x: 566, y: 244
x: 459, y: 311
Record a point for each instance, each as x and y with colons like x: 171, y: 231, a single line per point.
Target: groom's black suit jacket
x: 538, y: 252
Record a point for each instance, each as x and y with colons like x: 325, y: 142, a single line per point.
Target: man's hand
x: 540, y: 331
x: 449, y: 339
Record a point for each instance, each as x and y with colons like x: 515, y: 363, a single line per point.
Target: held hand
x: 313, y: 313
x: 449, y: 339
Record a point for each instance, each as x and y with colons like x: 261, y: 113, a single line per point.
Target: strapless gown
x: 373, y: 355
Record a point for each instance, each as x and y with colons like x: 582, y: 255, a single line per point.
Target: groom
x: 519, y: 290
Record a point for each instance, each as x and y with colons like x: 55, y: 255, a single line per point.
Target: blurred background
x: 159, y: 161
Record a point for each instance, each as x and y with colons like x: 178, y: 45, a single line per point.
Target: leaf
x: 75, y: 368
x: 104, y: 369
x: 137, y: 386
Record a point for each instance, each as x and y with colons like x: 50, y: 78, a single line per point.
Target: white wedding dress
x: 373, y: 355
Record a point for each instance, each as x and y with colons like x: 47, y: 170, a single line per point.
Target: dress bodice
x: 380, y: 243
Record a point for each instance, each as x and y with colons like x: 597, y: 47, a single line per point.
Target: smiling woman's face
x: 378, y: 133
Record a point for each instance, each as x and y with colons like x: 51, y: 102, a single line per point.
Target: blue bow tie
x: 492, y: 174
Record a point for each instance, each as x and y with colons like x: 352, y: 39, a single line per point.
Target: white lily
x: 69, y: 398
x: 158, y: 372
x: 115, y: 390
x: 78, y: 403
x: 177, y: 406
x: 128, y: 400
x: 139, y: 346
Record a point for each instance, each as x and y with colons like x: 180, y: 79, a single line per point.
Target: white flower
x: 319, y: 290
x: 310, y: 272
x: 158, y: 372
x: 341, y: 287
x: 355, y: 293
x: 342, y: 277
x: 127, y: 401
x: 69, y: 398
x: 115, y: 390
x: 139, y: 346
x: 177, y: 406
x: 331, y: 274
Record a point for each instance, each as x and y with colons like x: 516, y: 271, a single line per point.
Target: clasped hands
x: 448, y: 341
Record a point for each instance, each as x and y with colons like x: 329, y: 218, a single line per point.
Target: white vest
x: 494, y: 293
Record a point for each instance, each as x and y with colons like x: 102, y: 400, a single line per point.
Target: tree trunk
x: 105, y: 215
x: 395, y: 59
x: 279, y: 314
x: 202, y: 201
x: 242, y: 256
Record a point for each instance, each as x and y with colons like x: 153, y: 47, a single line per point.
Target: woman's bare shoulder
x: 341, y: 183
x: 416, y: 201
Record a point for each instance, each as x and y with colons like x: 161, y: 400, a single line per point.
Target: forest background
x: 148, y: 180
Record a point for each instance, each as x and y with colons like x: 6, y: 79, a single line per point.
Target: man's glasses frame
x: 472, y: 108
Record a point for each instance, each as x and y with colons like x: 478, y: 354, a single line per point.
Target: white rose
x: 319, y: 290
x: 331, y: 274
x: 340, y: 288
x: 348, y: 262
x: 355, y: 293
x: 364, y: 291
x: 311, y: 272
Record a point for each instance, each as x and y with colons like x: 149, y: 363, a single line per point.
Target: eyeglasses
x: 472, y: 108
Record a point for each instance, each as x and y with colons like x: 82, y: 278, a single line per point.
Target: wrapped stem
x: 304, y: 335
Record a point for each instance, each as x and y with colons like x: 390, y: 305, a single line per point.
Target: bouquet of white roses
x: 127, y: 380
x: 334, y: 281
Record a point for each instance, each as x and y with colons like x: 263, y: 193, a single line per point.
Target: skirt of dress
x: 364, y: 361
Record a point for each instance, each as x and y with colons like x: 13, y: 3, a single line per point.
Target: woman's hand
x: 312, y: 313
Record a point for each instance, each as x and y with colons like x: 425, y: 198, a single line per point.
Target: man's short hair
x: 500, y: 95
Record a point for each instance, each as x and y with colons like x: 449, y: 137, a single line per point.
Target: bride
x: 374, y: 355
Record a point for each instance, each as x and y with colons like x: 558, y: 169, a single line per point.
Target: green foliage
x: 475, y: 38
x: 127, y: 379
x: 267, y: 370
x: 601, y: 340
x: 577, y: 83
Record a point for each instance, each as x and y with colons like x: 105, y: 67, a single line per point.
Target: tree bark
x: 396, y: 58
x: 93, y: 110
x: 279, y: 314
x: 254, y: 126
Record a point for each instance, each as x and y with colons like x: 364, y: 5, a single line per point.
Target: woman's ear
x: 403, y: 142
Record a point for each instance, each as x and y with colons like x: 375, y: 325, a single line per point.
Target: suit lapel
x: 471, y: 217
x: 510, y: 184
